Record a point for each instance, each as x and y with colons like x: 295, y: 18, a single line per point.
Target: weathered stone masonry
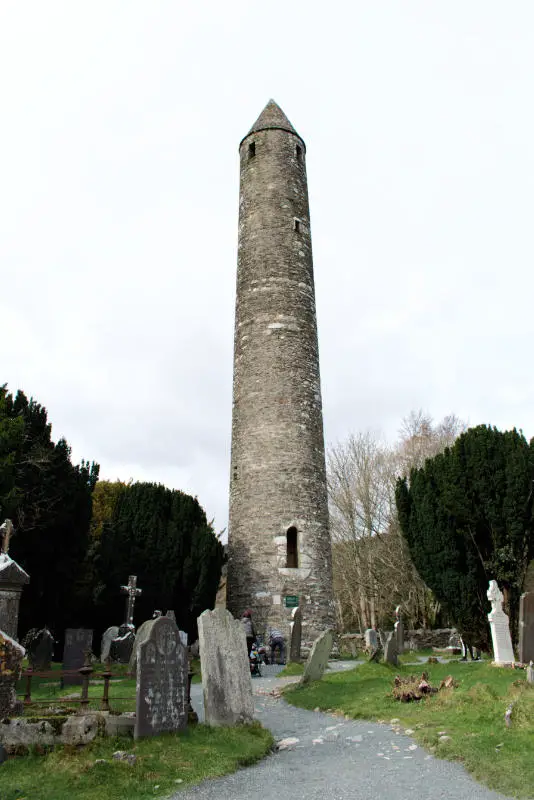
x: 278, y: 476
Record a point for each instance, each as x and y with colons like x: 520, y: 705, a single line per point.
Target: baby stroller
x: 254, y: 660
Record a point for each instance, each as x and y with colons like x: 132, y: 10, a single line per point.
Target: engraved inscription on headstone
x: 224, y: 664
x: 503, y: 651
x: 295, y: 635
x: 162, y: 688
x: 526, y: 628
x: 77, y: 642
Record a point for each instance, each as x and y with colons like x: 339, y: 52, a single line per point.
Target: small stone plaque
x: 162, y: 683
x: 77, y: 642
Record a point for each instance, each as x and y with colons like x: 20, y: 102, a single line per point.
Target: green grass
x: 290, y: 669
x: 190, y: 757
x: 472, y: 715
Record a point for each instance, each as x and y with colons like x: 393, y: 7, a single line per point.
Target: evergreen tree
x: 164, y: 538
x: 466, y: 516
x: 49, y: 501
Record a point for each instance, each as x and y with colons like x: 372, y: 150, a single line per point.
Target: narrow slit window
x: 296, y: 225
x: 292, y: 559
x: 298, y: 152
x: 252, y: 149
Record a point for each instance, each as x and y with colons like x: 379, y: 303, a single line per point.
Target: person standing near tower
x: 279, y: 551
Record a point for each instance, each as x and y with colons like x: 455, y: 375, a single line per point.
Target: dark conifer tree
x: 467, y: 518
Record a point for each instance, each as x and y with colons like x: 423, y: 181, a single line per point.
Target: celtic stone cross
x: 132, y: 591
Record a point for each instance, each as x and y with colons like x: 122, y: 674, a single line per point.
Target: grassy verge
x: 472, y: 715
x: 291, y: 669
x: 164, y: 765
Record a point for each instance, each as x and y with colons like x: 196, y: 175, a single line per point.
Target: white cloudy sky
x: 120, y: 123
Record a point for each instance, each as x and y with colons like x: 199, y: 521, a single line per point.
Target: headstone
x: 77, y: 642
x: 183, y: 638
x: 40, y: 649
x: 295, y: 634
x: 162, y: 684
x: 225, y: 668
x: 455, y: 640
x: 399, y: 630
x: 526, y: 627
x: 530, y: 673
x: 107, y: 637
x: 503, y: 652
x: 371, y: 639
x: 390, y: 650
x: 122, y: 645
x: 141, y: 636
x: 318, y: 658
x: 12, y: 580
x: 11, y: 655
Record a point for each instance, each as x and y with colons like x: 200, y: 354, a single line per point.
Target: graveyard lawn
x: 472, y: 715
x: 164, y: 764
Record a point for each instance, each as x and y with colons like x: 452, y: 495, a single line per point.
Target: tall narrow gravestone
x: 162, y: 690
x: 503, y: 652
x: 12, y: 580
x: 296, y: 635
x: 77, y: 642
x: 318, y: 658
x: 526, y: 628
x: 225, y: 669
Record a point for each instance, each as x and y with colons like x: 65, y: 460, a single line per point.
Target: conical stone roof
x: 272, y: 117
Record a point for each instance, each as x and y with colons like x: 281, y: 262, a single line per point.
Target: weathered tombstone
x: 183, y: 638
x: 526, y: 627
x: 503, y: 652
x: 140, y: 637
x: 530, y: 673
x: 455, y: 641
x: 122, y: 645
x: 77, y: 642
x: 224, y: 663
x: 11, y: 655
x: 40, y: 649
x: 107, y: 637
x: 295, y: 634
x: 12, y: 580
x: 399, y: 630
x: 390, y: 650
x: 318, y: 658
x: 162, y: 688
x: 371, y: 639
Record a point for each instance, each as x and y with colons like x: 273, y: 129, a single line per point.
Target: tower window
x: 252, y: 149
x: 296, y: 225
x: 298, y: 152
x: 292, y: 558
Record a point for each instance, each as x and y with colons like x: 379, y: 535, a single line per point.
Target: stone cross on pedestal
x: 132, y: 591
x: 6, y: 532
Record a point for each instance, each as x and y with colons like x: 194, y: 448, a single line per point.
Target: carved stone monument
x: 77, y: 642
x: 141, y: 636
x: 295, y: 635
x: 526, y: 628
x: 11, y: 655
x: 371, y: 639
x: 162, y: 684
x: 399, y: 630
x: 122, y: 646
x: 12, y: 580
x: 39, y: 645
x: 107, y: 637
x: 224, y: 663
x: 318, y: 658
x: 503, y: 652
x: 390, y: 649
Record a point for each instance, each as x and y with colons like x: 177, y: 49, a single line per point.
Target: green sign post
x: 291, y: 600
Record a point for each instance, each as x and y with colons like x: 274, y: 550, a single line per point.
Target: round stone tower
x: 279, y: 551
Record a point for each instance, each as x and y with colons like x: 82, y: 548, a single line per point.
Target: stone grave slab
x: 295, y: 635
x: 122, y: 645
x: 77, y: 642
x: 390, y: 650
x: 226, y: 681
x: 11, y: 655
x: 141, y: 636
x: 318, y: 658
x: 107, y: 637
x: 162, y: 683
x: 40, y: 650
x: 526, y: 627
x: 503, y: 652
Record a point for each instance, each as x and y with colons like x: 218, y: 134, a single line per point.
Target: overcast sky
x: 120, y: 126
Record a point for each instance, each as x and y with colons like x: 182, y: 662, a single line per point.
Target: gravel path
x: 335, y: 759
